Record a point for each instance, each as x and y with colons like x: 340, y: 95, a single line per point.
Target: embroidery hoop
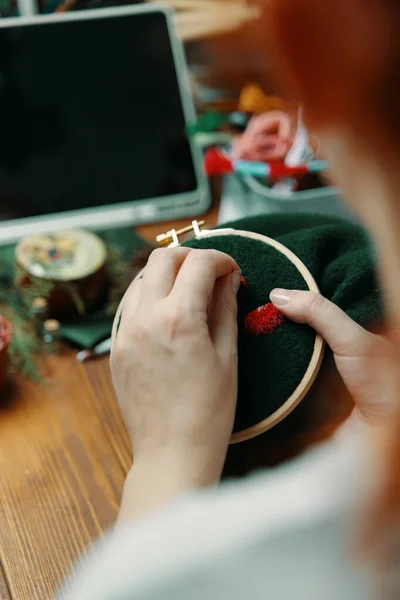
x: 319, y: 345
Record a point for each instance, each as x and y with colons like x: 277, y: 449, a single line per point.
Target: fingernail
x: 281, y: 297
x: 235, y: 281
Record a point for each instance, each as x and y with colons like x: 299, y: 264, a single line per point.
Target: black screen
x: 91, y: 115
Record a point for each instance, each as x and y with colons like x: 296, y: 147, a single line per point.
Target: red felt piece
x: 217, y: 163
x: 264, y: 320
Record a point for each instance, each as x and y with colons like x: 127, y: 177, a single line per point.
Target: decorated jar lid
x: 63, y: 256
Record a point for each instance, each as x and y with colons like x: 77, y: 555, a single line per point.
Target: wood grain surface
x: 63, y: 457
x: 64, y: 454
x: 4, y: 592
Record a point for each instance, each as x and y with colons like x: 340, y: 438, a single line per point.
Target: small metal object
x: 196, y: 228
x: 171, y: 238
x: 39, y: 307
x: 39, y: 311
x: 51, y: 331
x: 39, y: 303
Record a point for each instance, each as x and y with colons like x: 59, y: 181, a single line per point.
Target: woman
x: 289, y: 533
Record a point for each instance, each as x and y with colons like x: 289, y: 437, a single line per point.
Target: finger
x: 195, y: 281
x: 344, y: 336
x: 280, y: 124
x: 223, y: 316
x: 130, y: 301
x: 365, y: 361
x: 160, y: 273
x: 265, y: 143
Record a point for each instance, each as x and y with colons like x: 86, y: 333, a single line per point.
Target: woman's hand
x: 174, y: 368
x: 268, y: 137
x: 366, y: 362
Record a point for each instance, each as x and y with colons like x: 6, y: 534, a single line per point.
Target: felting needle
x: 100, y: 350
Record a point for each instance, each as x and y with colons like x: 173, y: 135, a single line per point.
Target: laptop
x: 94, y: 111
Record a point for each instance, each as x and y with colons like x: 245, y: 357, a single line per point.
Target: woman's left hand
x: 366, y: 362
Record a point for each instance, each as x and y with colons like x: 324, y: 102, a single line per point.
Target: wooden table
x: 64, y: 454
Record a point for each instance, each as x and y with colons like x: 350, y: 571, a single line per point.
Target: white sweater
x: 285, y: 534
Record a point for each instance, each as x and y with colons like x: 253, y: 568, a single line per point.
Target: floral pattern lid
x: 61, y: 255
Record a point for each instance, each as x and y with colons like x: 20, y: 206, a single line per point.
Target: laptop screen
x: 91, y: 115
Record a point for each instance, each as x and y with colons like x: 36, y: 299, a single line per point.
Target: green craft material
x: 339, y: 256
x: 264, y: 360
x: 209, y: 122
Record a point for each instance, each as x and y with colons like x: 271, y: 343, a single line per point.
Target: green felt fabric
x: 264, y: 359
x: 339, y: 256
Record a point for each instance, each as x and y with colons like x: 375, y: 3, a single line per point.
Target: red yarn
x: 242, y: 289
x: 265, y: 319
x: 217, y: 163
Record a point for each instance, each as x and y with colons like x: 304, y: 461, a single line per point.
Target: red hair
x: 341, y: 60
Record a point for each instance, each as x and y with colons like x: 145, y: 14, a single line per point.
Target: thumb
x: 344, y: 336
x: 366, y: 362
x: 223, y: 316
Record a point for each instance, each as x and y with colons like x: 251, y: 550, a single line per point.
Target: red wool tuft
x: 217, y: 163
x: 264, y: 320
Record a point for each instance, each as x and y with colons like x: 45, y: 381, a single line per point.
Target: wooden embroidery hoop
x: 318, y: 352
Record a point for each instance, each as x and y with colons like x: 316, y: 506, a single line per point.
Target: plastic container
x: 325, y: 200
x: 246, y: 196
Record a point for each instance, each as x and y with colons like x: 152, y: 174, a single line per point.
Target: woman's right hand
x: 174, y: 369
x: 366, y: 362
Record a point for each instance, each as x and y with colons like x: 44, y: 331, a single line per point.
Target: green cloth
x: 6, y: 263
x: 87, y: 331
x: 339, y: 256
